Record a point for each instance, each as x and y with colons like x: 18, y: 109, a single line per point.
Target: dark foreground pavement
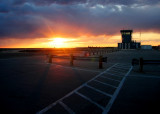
x: 29, y: 85
x: 139, y: 95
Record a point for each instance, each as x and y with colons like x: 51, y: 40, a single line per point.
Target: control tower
x: 127, y: 42
x: 126, y: 36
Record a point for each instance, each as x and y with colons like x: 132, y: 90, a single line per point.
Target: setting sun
x: 57, y: 42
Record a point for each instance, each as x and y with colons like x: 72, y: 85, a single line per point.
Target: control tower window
x: 126, y: 33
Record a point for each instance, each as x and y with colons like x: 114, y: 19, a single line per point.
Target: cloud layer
x: 73, y: 18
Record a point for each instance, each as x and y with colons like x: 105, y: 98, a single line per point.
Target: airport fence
x: 141, y: 62
x: 92, y: 54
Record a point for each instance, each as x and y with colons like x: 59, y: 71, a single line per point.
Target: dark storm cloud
x: 94, y: 2
x: 15, y: 26
x: 90, y: 2
x: 34, y: 18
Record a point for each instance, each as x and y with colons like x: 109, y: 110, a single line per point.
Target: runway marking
x: 120, y: 70
x: 113, y: 74
x: 67, y: 108
x: 89, y: 100
x: 110, y: 79
x: 125, y: 68
x: 85, y: 84
x: 99, y: 90
x: 105, y: 75
x: 116, y: 93
x: 112, y: 96
x: 105, y: 83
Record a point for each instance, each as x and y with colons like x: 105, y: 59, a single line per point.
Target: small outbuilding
x: 146, y: 47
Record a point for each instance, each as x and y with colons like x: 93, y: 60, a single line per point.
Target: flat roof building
x: 127, y: 42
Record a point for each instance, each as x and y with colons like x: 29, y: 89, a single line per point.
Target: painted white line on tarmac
x: 116, y: 93
x: 120, y: 70
x: 105, y: 83
x: 110, y: 79
x: 72, y: 92
x: 46, y: 108
x: 90, y: 100
x: 104, y: 93
x: 117, y: 72
x: 112, y: 74
x: 67, y: 108
x: 122, y: 67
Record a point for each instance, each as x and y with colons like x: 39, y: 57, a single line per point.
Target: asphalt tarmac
x: 31, y: 85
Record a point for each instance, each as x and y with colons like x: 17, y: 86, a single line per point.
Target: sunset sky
x: 77, y: 23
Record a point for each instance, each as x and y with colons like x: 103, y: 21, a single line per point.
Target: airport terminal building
x: 127, y: 42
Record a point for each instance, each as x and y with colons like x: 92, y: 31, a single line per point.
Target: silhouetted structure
x: 127, y: 42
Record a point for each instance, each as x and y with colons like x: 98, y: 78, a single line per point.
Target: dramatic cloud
x: 72, y: 18
x: 90, y: 2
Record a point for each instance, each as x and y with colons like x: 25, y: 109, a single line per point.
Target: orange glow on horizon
x: 81, y: 41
